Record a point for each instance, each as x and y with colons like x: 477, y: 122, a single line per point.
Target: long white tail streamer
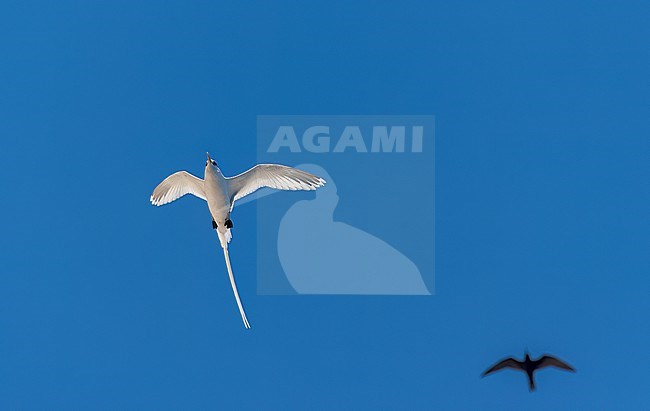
x: 234, y: 288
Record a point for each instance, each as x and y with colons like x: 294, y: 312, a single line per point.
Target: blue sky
x: 542, y: 200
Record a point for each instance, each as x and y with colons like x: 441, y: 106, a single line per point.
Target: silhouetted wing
x: 274, y: 176
x: 548, y: 361
x: 507, y: 363
x: 176, y: 186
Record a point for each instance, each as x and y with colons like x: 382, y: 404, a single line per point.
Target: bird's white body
x: 219, y: 201
x: 221, y: 193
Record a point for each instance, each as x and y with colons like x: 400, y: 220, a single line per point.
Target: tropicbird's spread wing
x: 507, y: 363
x: 274, y: 176
x: 548, y: 361
x: 176, y: 186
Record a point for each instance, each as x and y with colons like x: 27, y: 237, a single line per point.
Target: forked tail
x: 234, y: 288
x: 531, y: 381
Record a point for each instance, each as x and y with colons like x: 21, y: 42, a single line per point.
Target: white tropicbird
x: 221, y: 193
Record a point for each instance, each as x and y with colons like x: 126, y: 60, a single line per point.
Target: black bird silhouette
x: 529, y: 366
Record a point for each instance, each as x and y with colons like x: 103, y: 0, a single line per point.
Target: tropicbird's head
x: 211, y: 164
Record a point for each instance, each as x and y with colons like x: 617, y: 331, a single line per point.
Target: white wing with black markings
x: 176, y: 186
x: 273, y: 176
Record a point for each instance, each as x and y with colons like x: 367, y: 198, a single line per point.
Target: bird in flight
x: 221, y: 193
x: 529, y: 366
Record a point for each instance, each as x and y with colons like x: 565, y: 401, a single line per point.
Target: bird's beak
x: 208, y: 154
